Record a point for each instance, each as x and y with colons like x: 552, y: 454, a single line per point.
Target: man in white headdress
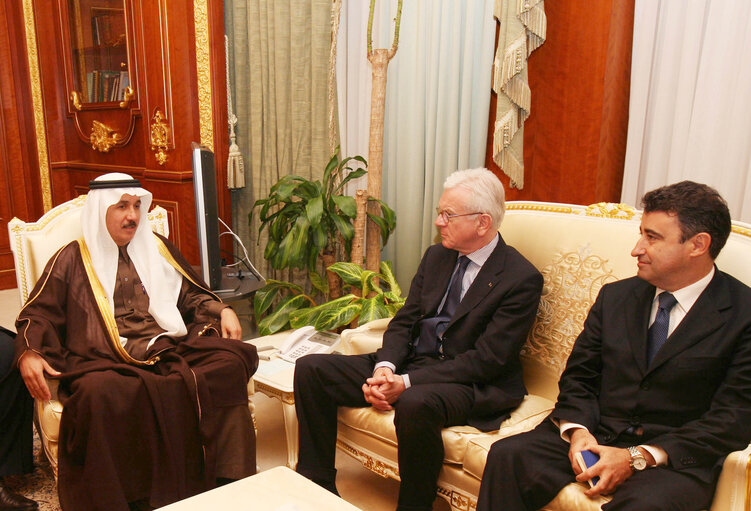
x: 155, y: 400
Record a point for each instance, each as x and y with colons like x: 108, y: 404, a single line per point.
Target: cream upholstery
x: 33, y: 243
x: 577, y: 249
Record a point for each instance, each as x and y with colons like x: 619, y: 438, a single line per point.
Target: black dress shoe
x: 10, y: 501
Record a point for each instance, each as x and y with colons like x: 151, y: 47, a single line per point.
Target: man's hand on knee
x: 581, y: 440
x: 613, y: 468
x: 374, y: 396
x: 383, y: 388
x: 32, y: 368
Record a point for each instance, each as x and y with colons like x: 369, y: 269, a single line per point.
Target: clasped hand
x: 613, y: 468
x: 383, y: 388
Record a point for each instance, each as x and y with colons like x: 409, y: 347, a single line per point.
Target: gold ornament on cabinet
x: 103, y: 137
x: 159, y: 137
x: 75, y: 98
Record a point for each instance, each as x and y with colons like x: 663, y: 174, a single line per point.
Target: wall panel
x: 575, y: 138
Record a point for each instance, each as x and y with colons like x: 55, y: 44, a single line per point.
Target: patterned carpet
x: 40, y: 485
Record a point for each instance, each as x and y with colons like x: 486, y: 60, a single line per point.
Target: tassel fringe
x: 523, y: 30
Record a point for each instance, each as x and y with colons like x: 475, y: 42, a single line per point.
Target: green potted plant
x: 306, y: 218
x: 299, y: 309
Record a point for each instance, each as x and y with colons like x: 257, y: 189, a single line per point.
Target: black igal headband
x: 120, y: 183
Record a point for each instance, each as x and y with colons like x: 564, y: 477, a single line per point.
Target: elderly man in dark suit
x: 658, y: 383
x: 449, y: 356
x: 16, y: 412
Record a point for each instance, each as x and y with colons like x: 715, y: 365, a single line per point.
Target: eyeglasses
x: 448, y: 216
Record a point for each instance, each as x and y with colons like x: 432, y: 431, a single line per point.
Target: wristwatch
x: 638, y: 461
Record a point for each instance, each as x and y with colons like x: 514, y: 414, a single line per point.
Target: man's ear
x: 701, y: 243
x: 484, y: 224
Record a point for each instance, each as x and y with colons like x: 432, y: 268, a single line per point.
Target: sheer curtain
x: 690, y: 112
x: 279, y: 58
x: 437, y: 105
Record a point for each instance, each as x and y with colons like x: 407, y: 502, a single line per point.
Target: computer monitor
x: 207, y: 215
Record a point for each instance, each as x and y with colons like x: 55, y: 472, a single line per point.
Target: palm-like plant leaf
x: 350, y: 273
x: 279, y: 318
x: 334, y: 318
x: 372, y: 309
x: 387, y: 271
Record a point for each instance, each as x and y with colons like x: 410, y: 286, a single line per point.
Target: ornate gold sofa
x: 577, y: 249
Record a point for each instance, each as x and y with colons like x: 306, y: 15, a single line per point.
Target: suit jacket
x: 482, y: 341
x: 693, y: 400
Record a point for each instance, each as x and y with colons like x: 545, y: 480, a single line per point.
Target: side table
x: 275, y: 378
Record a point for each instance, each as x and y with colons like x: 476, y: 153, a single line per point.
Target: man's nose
x: 638, y: 248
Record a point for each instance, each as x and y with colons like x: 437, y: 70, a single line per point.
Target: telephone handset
x: 306, y: 340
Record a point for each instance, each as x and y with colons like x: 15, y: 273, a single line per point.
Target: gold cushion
x: 572, y: 497
x: 456, y: 439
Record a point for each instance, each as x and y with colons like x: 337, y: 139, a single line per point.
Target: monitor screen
x: 207, y: 215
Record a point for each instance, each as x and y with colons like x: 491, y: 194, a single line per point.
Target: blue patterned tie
x: 658, y: 332
x: 431, y: 329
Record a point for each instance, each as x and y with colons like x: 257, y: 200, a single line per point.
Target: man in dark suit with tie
x: 658, y: 383
x: 449, y: 356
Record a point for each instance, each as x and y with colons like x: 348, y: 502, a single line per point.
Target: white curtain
x: 437, y: 105
x: 690, y: 111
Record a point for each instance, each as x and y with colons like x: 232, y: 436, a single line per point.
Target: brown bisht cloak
x: 131, y: 429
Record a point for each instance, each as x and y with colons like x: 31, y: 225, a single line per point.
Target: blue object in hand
x: 586, y: 459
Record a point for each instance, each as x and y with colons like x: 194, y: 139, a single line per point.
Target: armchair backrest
x: 33, y: 243
x: 578, y: 249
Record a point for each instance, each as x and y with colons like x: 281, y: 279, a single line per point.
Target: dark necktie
x: 658, y: 332
x: 431, y: 329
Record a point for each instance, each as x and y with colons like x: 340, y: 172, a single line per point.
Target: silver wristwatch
x: 638, y: 461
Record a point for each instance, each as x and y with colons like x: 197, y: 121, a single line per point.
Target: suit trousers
x: 325, y: 382
x: 524, y: 472
x: 16, y: 412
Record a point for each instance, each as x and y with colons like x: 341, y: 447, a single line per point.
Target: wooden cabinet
x: 20, y: 188
x: 171, y: 54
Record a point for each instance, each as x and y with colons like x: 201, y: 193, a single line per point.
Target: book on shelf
x: 122, y: 84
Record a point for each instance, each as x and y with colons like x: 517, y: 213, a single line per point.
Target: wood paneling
x: 164, y: 73
x: 575, y: 138
x: 20, y: 189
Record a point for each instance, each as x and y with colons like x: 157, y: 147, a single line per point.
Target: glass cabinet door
x: 99, y: 45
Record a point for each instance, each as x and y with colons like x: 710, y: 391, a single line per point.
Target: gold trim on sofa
x: 17, y: 225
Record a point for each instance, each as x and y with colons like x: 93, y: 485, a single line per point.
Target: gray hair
x: 486, y: 192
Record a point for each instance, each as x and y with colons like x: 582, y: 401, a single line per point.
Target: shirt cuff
x: 567, y: 428
x: 391, y: 366
x: 385, y: 364
x: 659, y: 454
x: 405, y: 378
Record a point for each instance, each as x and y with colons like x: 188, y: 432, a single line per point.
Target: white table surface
x: 277, y: 489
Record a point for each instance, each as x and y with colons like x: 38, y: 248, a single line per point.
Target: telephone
x: 307, y: 340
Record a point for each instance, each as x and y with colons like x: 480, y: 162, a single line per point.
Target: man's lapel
x: 636, y: 322
x: 486, y: 279
x: 437, y: 280
x: 707, y: 315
